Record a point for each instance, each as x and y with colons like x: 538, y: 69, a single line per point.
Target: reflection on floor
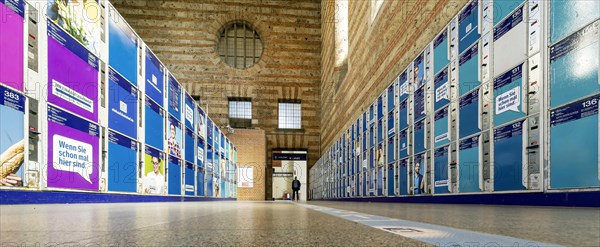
x: 277, y: 223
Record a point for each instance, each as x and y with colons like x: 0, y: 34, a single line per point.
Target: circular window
x: 239, y: 44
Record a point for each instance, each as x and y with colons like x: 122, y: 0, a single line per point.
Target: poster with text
x: 80, y: 19
x: 190, y: 176
x: 174, y: 175
x: 419, y: 71
x: 72, y: 74
x: 200, y: 148
x: 73, y: 151
x: 174, y: 98
x: 419, y: 174
x: 174, y: 137
x: 122, y: 104
x: 11, y: 43
x: 154, y: 171
x: 12, y: 137
x: 155, y: 73
x: 122, y: 46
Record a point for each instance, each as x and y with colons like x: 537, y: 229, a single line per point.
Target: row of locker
x: 503, y: 105
x: 87, y: 106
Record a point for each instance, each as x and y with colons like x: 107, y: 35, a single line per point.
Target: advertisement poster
x: 122, y: 105
x: 189, y: 111
x: 403, y: 86
x: 12, y: 46
x: 122, y: 46
x: 12, y: 137
x: 440, y: 51
x: 403, y: 176
x: 441, y: 135
x: 419, y: 104
x: 155, y: 124
x: 508, y: 96
x: 174, y: 137
x: 80, y: 19
x: 174, y: 175
x: 190, y: 172
x: 174, y: 98
x: 403, y: 143
x: 419, y: 174
x: 72, y: 75
x: 419, y: 71
x: 122, y: 163
x: 201, y: 122
x: 154, y: 171
x: 73, y: 151
x: 419, y: 136
x: 442, y: 89
x: 155, y: 74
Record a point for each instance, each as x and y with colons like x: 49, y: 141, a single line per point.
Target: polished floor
x: 282, y: 224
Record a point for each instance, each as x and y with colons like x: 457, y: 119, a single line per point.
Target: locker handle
x: 532, y: 32
x: 532, y: 92
x: 534, y: 67
x: 534, y: 127
x: 533, y: 147
x: 534, y: 7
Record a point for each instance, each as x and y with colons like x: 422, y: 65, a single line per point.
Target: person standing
x: 296, y: 187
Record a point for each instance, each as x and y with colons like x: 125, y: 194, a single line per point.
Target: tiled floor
x: 276, y: 224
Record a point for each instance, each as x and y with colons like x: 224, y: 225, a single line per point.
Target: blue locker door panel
x: 574, y: 148
x: 442, y: 90
x: 402, y: 177
x: 154, y: 128
x: 440, y: 53
x: 391, y: 156
x: 174, y: 179
x: 469, y: 115
x: 568, y: 16
x: 574, y: 75
x: 468, y: 166
x: 200, y: 184
x: 508, y: 157
x: 419, y: 174
x: 419, y: 137
x: 189, y: 180
x: 468, y: 26
x: 502, y: 8
x: 403, y: 144
x: 440, y: 130
x: 122, y: 168
x: 403, y: 115
x: 441, y: 171
x: 390, y: 180
x: 364, y: 184
x: 468, y: 75
x: 189, y: 146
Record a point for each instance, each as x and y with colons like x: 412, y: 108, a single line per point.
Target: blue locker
x: 419, y: 104
x: 468, y: 26
x: 364, y: 183
x: 441, y: 133
x: 189, y: 145
x: 503, y: 8
x: 419, y: 179
x: 380, y: 108
x: 155, y: 117
x: 174, y: 176
x: 380, y: 131
x: 379, y: 181
x: 574, y: 145
x: 403, y: 144
x: 200, y: 181
x: 391, y: 131
x: 469, y: 114
x: 468, y: 70
x: 567, y: 16
x: 508, y: 157
x: 508, y: 97
x: 419, y: 134
x: 403, y: 176
x: 574, y: 66
x: 122, y: 171
x: 390, y: 179
x: 468, y: 166
x: 122, y: 105
x: 372, y: 186
x: 372, y: 136
x: 391, y: 99
x: 440, y: 163
x: 189, y: 179
x: 442, y: 89
x: 391, y: 154
x: 403, y: 115
x: 440, y: 52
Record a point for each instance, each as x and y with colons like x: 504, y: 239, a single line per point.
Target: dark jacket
x: 296, y: 184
